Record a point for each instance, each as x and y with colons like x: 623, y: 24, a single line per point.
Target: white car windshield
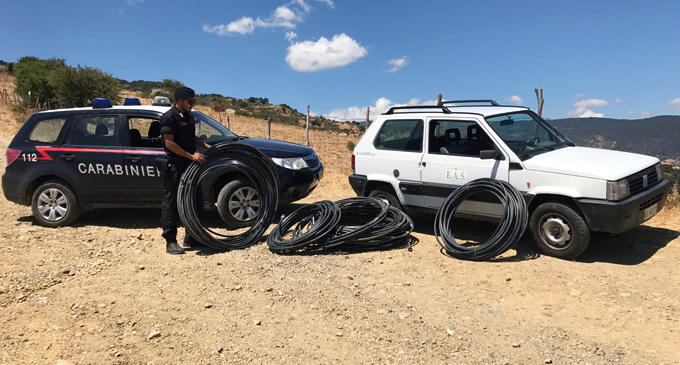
x: 527, y: 134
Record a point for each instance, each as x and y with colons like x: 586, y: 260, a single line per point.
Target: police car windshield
x: 527, y: 134
x: 210, y: 130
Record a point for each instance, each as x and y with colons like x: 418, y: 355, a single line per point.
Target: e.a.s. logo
x: 456, y: 174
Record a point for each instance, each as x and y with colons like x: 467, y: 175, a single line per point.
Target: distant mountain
x: 656, y: 136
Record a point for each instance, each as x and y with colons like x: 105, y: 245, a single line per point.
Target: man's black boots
x: 191, y: 242
x: 173, y: 248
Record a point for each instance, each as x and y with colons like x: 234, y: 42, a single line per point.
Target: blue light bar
x: 101, y: 103
x: 132, y: 101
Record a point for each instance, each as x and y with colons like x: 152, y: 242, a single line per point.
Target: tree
x: 39, y: 77
x: 79, y: 86
x: 169, y: 87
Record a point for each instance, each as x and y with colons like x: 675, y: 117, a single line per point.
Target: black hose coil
x: 392, y: 231
x: 358, y: 216
x: 234, y: 157
x: 507, y: 233
x: 353, y: 224
x: 309, y: 226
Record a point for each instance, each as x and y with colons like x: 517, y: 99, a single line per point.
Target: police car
x: 62, y: 162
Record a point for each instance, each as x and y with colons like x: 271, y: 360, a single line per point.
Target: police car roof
x: 161, y: 109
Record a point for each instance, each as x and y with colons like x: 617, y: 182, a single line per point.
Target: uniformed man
x: 179, y: 141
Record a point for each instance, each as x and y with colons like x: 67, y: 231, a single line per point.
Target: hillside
x: 255, y: 107
x: 657, y: 136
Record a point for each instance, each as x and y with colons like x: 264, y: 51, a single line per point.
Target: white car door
x: 452, y: 160
x: 397, y: 151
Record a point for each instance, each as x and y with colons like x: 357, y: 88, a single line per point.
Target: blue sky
x: 617, y: 59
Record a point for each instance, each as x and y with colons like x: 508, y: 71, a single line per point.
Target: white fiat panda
x: 413, y: 157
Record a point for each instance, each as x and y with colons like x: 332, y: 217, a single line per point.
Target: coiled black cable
x: 353, y: 224
x: 358, y: 216
x: 507, y: 233
x: 392, y: 231
x: 309, y: 227
x: 227, y: 157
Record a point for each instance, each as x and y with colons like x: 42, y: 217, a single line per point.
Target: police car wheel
x: 238, y: 204
x: 55, y: 205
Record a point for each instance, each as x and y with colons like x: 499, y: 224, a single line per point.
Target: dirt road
x: 104, y: 292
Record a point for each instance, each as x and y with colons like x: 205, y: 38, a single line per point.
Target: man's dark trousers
x: 171, y: 177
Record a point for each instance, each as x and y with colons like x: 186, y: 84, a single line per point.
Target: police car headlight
x: 617, y: 190
x: 294, y: 163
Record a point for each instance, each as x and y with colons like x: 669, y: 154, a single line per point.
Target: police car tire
x: 579, y: 230
x: 72, y: 214
x: 223, y: 204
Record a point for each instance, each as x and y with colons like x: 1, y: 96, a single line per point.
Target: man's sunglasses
x: 191, y: 101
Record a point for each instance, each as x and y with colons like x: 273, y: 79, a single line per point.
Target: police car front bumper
x: 296, y: 185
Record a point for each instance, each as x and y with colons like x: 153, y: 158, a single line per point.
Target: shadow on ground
x: 630, y: 248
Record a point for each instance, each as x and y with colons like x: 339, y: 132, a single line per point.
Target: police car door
x: 452, y: 160
x: 143, y: 181
x: 94, y: 153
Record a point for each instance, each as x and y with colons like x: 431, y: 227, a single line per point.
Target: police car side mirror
x: 490, y: 155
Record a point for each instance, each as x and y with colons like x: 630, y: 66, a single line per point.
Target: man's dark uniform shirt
x: 183, y: 128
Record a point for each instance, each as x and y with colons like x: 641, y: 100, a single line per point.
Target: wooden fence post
x: 368, y: 116
x: 269, y: 127
x: 228, y: 124
x: 307, y: 129
x: 439, y: 99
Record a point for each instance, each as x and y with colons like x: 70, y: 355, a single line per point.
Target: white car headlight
x: 617, y: 190
x: 293, y: 163
x: 659, y: 172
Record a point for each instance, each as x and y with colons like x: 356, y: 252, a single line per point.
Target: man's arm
x: 176, y: 149
x: 200, y: 143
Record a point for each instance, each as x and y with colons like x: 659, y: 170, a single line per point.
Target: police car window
x: 97, y: 130
x: 145, y: 132
x: 459, y: 138
x: 400, y: 135
x: 210, y: 130
x: 47, y: 131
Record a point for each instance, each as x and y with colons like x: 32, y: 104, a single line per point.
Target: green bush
x: 351, y: 145
x: 79, y: 86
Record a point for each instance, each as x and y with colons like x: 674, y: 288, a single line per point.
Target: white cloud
x: 619, y: 101
x: 580, y: 96
x: 587, y: 103
x: 397, y: 63
x: 583, y: 112
x: 630, y: 112
x: 285, y: 16
x: 290, y: 36
x: 646, y: 114
x: 328, y: 2
x: 134, y: 2
x: 514, y: 99
x: 282, y: 17
x: 244, y: 25
x: 674, y: 104
x: 582, y: 108
x: 381, y: 105
x: 310, y: 56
